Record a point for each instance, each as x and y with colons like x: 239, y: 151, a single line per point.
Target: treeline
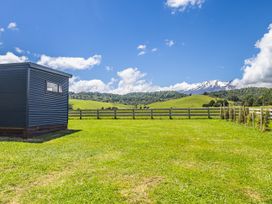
x: 130, y: 98
x: 246, y: 96
x: 216, y: 103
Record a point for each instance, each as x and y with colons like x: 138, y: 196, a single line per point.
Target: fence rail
x: 259, y: 111
x: 146, y: 113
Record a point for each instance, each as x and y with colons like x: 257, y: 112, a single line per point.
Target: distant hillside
x: 247, y: 96
x: 189, y: 101
x: 89, y: 104
x: 129, y: 99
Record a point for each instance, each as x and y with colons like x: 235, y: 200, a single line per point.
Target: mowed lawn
x: 141, y: 161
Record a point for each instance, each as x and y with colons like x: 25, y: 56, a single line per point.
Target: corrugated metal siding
x: 13, y: 96
x: 46, y: 108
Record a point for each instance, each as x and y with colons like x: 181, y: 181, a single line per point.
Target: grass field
x: 159, y: 161
x: 88, y: 104
x: 185, y: 102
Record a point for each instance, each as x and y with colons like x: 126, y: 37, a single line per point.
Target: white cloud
x: 132, y: 80
x: 141, y: 53
x: 2, y: 30
x: 182, y: 5
x: 9, y: 57
x: 94, y: 85
x: 258, y: 69
x: 12, y: 26
x: 141, y: 47
x: 19, y: 50
x: 154, y: 50
x: 129, y: 80
x: 169, y: 43
x: 78, y: 63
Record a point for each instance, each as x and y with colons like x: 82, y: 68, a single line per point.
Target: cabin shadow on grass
x: 40, y: 138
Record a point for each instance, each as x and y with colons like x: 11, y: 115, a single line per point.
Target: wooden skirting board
x: 30, y: 132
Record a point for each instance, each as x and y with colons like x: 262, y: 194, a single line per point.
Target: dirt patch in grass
x: 252, y: 194
x: 138, y: 193
x: 45, y: 180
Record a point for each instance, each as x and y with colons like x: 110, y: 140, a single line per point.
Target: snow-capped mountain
x: 206, y: 86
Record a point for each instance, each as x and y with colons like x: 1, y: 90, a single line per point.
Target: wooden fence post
x: 170, y: 113
x: 115, y: 115
x: 261, y: 118
x: 209, y: 115
x: 97, y: 114
x: 253, y: 119
x: 151, y: 113
x: 245, y: 115
x: 240, y: 115
x: 133, y: 114
x: 234, y: 114
x: 189, y: 113
x: 80, y: 114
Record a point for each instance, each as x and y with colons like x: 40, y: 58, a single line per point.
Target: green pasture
x: 140, y: 161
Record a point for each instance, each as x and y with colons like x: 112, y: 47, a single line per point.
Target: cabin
x: 33, y: 99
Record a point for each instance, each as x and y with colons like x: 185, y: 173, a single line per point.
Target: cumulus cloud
x: 12, y: 26
x: 142, y: 53
x: 154, y: 50
x: 77, y: 63
x: 2, y: 30
x: 9, y: 57
x: 142, y: 49
x: 127, y: 81
x: 132, y: 80
x: 94, y: 85
x: 169, y: 43
x: 182, y: 5
x: 258, y: 69
x: 18, y: 50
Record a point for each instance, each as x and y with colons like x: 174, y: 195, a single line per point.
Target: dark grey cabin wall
x: 13, y: 83
x: 46, y: 108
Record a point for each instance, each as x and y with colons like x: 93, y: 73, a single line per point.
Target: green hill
x: 186, y: 102
x: 89, y: 104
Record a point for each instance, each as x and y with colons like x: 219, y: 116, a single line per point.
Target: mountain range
x: 206, y: 86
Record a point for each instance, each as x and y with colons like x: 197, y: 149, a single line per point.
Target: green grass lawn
x: 194, y: 101
x: 141, y: 161
x: 89, y: 104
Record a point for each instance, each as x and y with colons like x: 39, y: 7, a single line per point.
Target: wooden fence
x: 251, y: 117
x: 259, y: 111
x: 158, y: 113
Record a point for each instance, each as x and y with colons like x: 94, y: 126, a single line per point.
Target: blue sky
x: 209, y: 39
